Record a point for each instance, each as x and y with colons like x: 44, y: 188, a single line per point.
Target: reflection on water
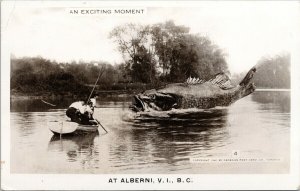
x: 171, y: 140
x: 159, y: 142
x: 280, y: 100
x: 75, y: 146
x: 37, y: 105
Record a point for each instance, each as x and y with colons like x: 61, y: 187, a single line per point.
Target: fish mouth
x: 157, y: 102
x: 137, y: 104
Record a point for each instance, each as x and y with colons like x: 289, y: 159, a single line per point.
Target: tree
x: 132, y: 41
x: 129, y: 38
x: 123, y: 73
x: 273, y: 72
x: 169, y: 47
x: 164, y: 39
x: 182, y: 54
x: 211, y: 59
x: 143, y: 66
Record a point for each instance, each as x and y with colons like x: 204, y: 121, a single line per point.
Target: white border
x: 95, y: 182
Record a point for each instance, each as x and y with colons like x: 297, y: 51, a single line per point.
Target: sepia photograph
x: 128, y: 92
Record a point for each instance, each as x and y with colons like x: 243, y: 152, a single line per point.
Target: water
x: 257, y: 126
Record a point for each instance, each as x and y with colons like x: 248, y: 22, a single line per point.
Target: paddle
x: 101, y: 125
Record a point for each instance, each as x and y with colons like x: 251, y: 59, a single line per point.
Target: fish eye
x: 152, y: 96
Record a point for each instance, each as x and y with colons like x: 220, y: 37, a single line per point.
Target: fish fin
x: 222, y: 81
x: 188, y: 80
x: 194, y: 81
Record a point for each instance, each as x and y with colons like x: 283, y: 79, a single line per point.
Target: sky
x: 246, y: 31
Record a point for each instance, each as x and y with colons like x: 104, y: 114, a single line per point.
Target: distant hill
x: 272, y: 72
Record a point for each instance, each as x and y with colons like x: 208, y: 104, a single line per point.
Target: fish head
x: 154, y: 101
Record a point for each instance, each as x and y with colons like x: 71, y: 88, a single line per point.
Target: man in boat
x: 75, y: 110
x: 92, y: 103
x: 82, y: 113
x: 87, y: 117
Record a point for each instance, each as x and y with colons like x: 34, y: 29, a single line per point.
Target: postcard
x: 150, y: 95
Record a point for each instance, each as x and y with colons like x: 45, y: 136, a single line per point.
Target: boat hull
x: 68, y: 127
x: 87, y: 128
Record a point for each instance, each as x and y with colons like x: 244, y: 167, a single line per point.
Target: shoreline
x: 68, y: 95
x: 107, y: 93
x: 23, y: 96
x: 273, y: 90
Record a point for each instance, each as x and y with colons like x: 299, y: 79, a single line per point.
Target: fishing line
x: 48, y: 103
x: 100, y: 74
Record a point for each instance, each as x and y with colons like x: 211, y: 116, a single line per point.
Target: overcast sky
x: 246, y: 31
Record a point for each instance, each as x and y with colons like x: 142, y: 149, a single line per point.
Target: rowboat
x: 69, y: 127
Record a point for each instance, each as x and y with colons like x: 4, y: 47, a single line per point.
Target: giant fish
x: 194, y: 93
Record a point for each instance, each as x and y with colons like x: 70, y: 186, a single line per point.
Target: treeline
x: 272, y: 72
x: 153, y: 55
x: 31, y: 75
x: 167, y: 52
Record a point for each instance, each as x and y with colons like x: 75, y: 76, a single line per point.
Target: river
x: 255, y: 127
